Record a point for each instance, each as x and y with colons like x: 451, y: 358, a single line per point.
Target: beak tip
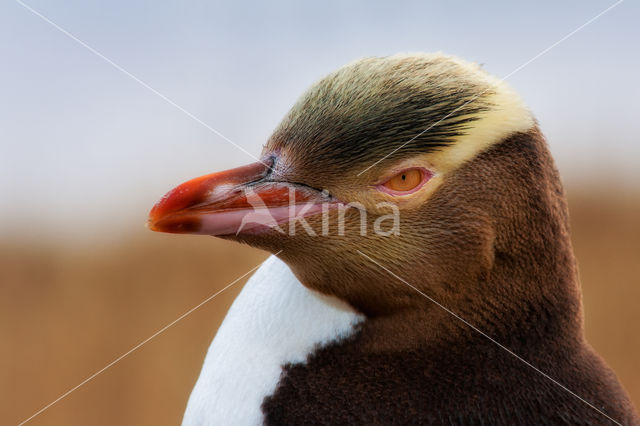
x: 179, y: 224
x: 153, y: 219
x: 151, y: 226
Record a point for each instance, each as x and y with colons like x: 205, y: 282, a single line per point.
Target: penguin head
x: 422, y: 163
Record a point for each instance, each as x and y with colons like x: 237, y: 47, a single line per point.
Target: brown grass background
x: 67, y: 310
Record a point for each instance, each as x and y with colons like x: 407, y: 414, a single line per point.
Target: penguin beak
x: 244, y: 200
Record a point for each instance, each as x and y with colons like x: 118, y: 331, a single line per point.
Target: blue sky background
x: 85, y: 149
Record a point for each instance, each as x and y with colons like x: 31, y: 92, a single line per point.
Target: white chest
x: 275, y: 320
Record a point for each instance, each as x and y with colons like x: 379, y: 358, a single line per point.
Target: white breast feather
x: 274, y: 320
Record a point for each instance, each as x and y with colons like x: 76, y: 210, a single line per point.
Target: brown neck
x: 494, y: 248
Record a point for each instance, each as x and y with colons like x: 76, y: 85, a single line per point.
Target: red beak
x: 241, y: 200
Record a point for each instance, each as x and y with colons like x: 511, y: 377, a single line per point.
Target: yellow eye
x: 405, y: 181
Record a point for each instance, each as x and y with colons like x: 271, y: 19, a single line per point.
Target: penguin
x: 422, y: 268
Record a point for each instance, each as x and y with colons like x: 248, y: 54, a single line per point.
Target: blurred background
x: 86, y: 150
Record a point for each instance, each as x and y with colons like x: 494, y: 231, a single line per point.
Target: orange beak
x: 244, y: 200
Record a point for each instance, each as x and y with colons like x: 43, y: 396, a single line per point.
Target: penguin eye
x: 405, y: 182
